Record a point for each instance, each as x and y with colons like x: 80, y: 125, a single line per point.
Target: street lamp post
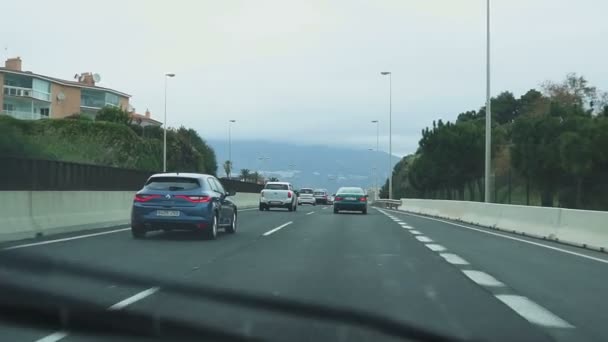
x: 261, y: 160
x: 390, y: 132
x: 377, y: 122
x: 165, y: 125
x: 371, y: 151
x: 230, y: 122
x: 291, y: 169
x: 488, y: 154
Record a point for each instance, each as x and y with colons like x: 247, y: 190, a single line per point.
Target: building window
x: 92, y: 98
x: 45, y: 112
x: 41, y: 90
x: 112, y: 100
x: 8, y: 107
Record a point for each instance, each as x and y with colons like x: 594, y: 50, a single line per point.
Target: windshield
x: 276, y: 187
x: 452, y: 182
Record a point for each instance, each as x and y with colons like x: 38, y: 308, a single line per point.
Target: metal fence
x: 239, y: 186
x: 18, y: 174
x: 39, y: 175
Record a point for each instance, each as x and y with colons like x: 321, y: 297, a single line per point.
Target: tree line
x: 549, y: 148
x: 109, y: 139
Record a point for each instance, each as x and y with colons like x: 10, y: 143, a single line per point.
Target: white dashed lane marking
x: 453, y: 259
x: 523, y: 306
x: 482, y: 278
x: 533, y: 312
x: 435, y: 248
x: 423, y: 239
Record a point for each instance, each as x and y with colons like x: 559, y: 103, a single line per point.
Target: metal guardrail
x: 386, y: 203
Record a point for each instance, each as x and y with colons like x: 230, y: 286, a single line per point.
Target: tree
x: 273, y: 179
x: 255, y: 177
x: 113, y: 114
x: 573, y: 92
x: 228, y: 168
x: 245, y: 175
x: 504, y: 108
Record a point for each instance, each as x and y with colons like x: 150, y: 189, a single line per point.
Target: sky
x: 308, y: 71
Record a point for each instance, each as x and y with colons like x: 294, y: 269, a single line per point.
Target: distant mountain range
x: 315, y: 166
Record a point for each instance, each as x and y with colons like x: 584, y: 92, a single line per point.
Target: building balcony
x: 23, y: 115
x: 26, y: 92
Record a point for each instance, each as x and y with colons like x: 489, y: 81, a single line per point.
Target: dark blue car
x: 183, y: 201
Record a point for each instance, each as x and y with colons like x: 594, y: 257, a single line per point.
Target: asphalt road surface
x: 454, y: 279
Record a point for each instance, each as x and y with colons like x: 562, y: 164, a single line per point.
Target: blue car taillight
x: 144, y: 198
x: 195, y: 199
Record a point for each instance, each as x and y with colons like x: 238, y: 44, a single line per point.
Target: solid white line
x: 310, y: 213
x: 54, y: 337
x: 514, y: 238
x: 59, y: 335
x: 277, y: 228
x: 415, y: 232
x: 436, y: 248
x: 66, y: 239
x: 482, y: 278
x: 137, y: 297
x: 453, y: 259
x: 533, y: 312
x: 423, y: 239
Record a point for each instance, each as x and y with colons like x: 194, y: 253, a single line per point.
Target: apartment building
x: 30, y: 96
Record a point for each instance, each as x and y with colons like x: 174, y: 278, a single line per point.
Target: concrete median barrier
x: 578, y: 227
x: 28, y: 214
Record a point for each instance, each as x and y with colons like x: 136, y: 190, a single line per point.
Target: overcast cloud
x: 308, y: 71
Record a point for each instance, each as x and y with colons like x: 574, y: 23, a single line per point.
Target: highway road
x: 460, y: 280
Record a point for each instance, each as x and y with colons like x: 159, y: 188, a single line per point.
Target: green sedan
x: 350, y: 199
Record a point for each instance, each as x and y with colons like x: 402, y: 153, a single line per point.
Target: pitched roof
x: 143, y: 118
x: 62, y: 82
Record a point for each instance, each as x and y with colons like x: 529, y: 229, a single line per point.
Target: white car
x: 306, y: 197
x: 278, y: 195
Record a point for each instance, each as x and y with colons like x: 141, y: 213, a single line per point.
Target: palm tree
x: 245, y: 175
x: 228, y: 168
x: 255, y: 177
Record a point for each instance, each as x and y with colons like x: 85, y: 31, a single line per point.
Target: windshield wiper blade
x: 23, y: 262
x: 31, y: 307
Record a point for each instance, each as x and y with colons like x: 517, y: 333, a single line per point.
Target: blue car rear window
x: 172, y: 183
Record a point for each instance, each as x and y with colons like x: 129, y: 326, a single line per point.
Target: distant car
x: 183, y: 201
x: 330, y: 200
x: 350, y: 199
x: 320, y: 196
x: 278, y: 195
x: 305, y: 196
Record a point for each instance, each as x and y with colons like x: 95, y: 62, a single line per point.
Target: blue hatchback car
x: 183, y: 201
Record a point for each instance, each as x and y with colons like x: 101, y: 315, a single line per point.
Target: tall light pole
x: 261, y: 160
x: 230, y: 122
x: 291, y: 169
x: 488, y: 157
x: 377, y: 122
x: 390, y: 133
x: 165, y: 125
x: 371, y: 152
